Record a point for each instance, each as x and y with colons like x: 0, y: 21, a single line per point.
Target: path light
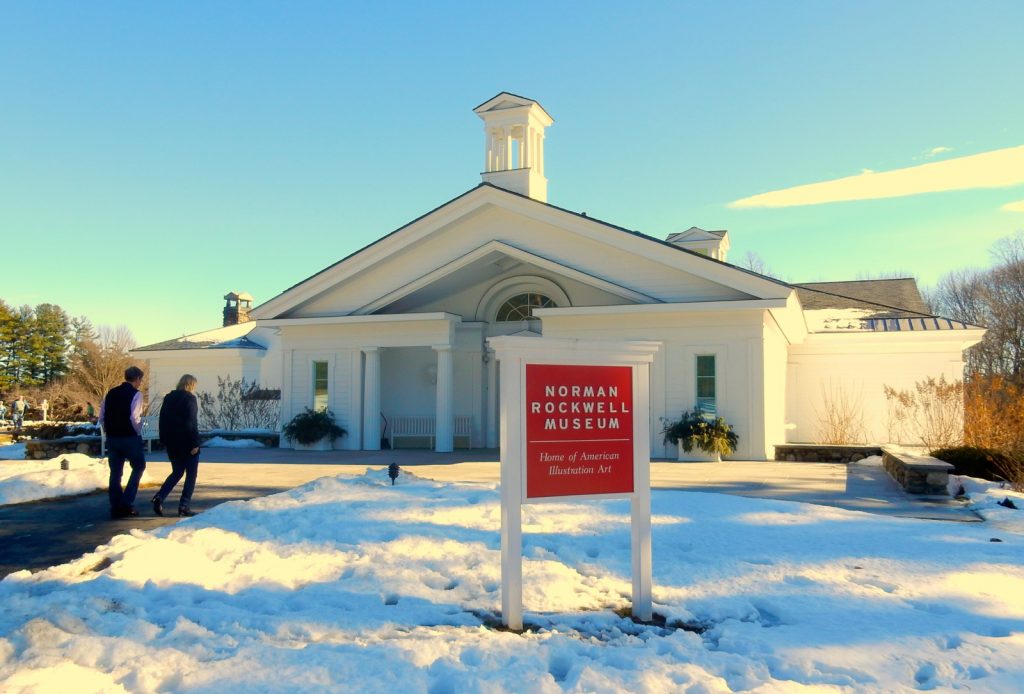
x: 393, y: 472
x: 64, y: 465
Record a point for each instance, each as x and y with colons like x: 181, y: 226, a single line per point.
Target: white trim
x: 377, y: 318
x: 523, y: 256
x: 688, y: 307
x: 896, y: 341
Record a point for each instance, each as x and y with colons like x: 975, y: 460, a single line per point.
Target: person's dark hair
x: 133, y: 373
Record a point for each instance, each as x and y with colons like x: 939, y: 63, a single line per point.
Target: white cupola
x: 713, y: 244
x: 514, y: 144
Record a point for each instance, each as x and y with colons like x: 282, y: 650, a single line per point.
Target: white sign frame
x: 513, y: 354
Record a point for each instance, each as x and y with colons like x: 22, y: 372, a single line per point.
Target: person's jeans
x: 187, y: 465
x: 119, y: 449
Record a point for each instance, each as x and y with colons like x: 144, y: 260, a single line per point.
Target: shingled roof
x: 184, y: 343
x: 889, y: 298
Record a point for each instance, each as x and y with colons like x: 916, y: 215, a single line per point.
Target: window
x: 320, y: 385
x: 706, y: 383
x: 520, y: 307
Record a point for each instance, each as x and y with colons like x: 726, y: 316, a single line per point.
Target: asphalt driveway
x: 39, y: 534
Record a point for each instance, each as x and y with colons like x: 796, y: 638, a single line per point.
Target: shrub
x: 841, y: 418
x: 932, y: 413
x: 994, y: 414
x: 309, y: 426
x: 695, y: 429
x: 238, y: 404
x: 973, y: 461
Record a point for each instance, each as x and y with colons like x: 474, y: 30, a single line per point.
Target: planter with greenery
x: 701, y: 437
x: 313, y: 430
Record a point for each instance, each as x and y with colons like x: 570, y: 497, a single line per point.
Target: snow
x: 221, y: 442
x: 985, y: 497
x: 837, y: 319
x: 351, y: 584
x: 31, y: 480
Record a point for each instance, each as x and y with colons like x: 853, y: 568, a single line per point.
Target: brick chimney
x: 237, y: 308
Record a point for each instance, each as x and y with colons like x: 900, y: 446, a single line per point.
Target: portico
x: 369, y: 370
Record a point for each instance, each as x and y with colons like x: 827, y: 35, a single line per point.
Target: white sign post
x: 575, y: 424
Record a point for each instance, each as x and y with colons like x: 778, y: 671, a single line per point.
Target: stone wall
x: 43, y: 449
x: 824, y: 453
x: 918, y: 474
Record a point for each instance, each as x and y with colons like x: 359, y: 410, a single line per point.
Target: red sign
x: 579, y: 430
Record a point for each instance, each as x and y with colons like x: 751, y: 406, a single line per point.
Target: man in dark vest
x: 121, y: 419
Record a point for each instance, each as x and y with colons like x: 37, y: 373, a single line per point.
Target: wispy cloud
x: 936, y: 151
x: 1013, y: 206
x: 997, y: 169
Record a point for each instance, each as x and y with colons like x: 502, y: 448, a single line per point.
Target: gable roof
x: 896, y: 296
x: 891, y: 305
x: 227, y: 337
x: 696, y: 234
x: 724, y: 273
x: 504, y: 100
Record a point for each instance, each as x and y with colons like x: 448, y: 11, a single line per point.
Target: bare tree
x: 102, y: 360
x: 993, y: 299
x: 753, y: 261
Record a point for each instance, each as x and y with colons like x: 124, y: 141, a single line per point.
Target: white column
x: 508, y: 150
x: 287, y: 366
x: 491, y: 434
x: 526, y: 149
x: 444, y: 422
x: 354, y: 440
x: 488, y: 157
x: 371, y: 399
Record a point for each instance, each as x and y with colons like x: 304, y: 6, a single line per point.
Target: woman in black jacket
x: 179, y: 432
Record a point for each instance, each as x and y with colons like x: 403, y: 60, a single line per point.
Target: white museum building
x: 398, y: 331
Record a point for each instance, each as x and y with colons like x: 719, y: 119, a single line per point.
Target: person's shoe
x: 185, y: 512
x: 158, y: 506
x: 123, y: 512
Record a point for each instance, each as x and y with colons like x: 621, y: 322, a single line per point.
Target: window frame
x: 314, y: 382
x: 544, y: 301
x: 701, y: 401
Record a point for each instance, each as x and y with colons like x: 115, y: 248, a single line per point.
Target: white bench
x: 425, y: 426
x: 150, y: 433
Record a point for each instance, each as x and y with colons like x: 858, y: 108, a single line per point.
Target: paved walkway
x: 40, y: 534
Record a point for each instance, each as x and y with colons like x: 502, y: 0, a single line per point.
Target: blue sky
x: 154, y: 156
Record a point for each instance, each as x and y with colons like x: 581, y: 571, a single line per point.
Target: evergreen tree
x: 7, y: 330
x: 52, y: 341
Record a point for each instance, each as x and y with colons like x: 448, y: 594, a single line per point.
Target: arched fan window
x: 520, y: 306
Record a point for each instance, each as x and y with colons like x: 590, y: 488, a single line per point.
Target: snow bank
x: 351, y: 584
x: 220, y: 442
x: 31, y: 480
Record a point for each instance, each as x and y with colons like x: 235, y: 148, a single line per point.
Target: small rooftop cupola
x: 237, y: 308
x: 514, y: 144
x: 713, y: 244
